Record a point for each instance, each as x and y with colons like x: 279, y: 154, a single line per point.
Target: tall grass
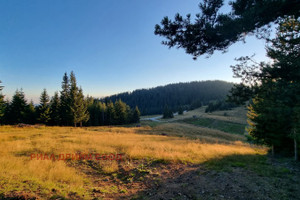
x: 20, y: 173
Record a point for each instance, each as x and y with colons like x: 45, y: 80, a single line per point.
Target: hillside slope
x: 153, y: 100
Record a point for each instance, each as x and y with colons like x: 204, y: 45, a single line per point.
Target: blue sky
x: 109, y: 44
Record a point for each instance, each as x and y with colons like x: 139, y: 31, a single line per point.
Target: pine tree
x: 102, y: 114
x: 215, y: 30
x: 17, y: 108
x: 73, y: 93
x: 78, y: 104
x: 273, y: 113
x: 180, y: 110
x: 79, y: 109
x: 167, y: 113
x: 55, y: 110
x: 65, y: 112
x: 136, y: 115
x: 120, y: 112
x: 30, y: 113
x: 2, y: 105
x: 110, y: 113
x: 44, y: 108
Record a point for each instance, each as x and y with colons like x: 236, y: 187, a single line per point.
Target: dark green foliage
x: 44, y: 108
x: 2, y: 105
x: 213, y: 30
x: 120, y: 112
x: 275, y: 89
x: 73, y: 105
x: 65, y: 109
x: 167, y: 113
x: 55, y: 110
x: 73, y: 102
x: 196, y: 104
x: 16, y: 110
x: 30, y: 114
x: 136, y: 115
x: 192, y: 94
x: 71, y: 108
x: 219, y: 105
x: 180, y: 110
x: 97, y: 111
x: 109, y: 113
x: 78, y: 104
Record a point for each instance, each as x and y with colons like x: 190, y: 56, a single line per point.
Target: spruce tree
x: 78, y: 104
x: 30, y: 114
x: 17, y: 108
x: 73, y: 93
x: 55, y: 110
x: 167, y: 113
x: 120, y: 112
x: 79, y: 109
x: 102, y: 112
x: 180, y: 110
x: 276, y: 90
x: 136, y: 115
x: 110, y: 113
x: 44, y: 108
x: 2, y: 106
x: 65, y: 109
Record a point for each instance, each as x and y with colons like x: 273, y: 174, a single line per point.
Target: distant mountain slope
x: 191, y: 94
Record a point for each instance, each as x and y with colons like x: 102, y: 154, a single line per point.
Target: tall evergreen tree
x: 30, y: 113
x: 275, y: 89
x: 55, y: 110
x: 44, y: 108
x: 180, y: 110
x: 167, y: 112
x: 2, y: 105
x: 136, y: 115
x: 73, y: 95
x: 17, y: 108
x: 120, y: 112
x: 79, y: 110
x: 110, y: 113
x: 78, y: 104
x: 65, y: 109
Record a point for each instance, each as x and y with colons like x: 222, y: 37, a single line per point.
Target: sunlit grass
x: 18, y: 172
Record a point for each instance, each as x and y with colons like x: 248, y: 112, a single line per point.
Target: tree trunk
x: 80, y: 124
x: 296, y: 150
x: 74, y: 124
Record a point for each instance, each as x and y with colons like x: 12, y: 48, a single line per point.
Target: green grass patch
x: 228, y: 127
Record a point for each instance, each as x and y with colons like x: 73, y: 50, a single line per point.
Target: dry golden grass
x: 17, y: 170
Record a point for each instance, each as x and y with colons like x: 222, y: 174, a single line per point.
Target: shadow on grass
x: 231, y: 177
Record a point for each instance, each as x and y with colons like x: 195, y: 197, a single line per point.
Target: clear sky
x: 109, y: 44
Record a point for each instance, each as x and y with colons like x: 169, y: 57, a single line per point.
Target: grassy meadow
x: 150, y: 154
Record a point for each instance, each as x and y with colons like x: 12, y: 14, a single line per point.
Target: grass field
x: 180, y: 154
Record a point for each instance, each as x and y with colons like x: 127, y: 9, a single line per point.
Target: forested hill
x: 191, y: 94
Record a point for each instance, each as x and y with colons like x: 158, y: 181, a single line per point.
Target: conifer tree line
x: 188, y: 96
x: 69, y: 107
x: 219, y: 105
